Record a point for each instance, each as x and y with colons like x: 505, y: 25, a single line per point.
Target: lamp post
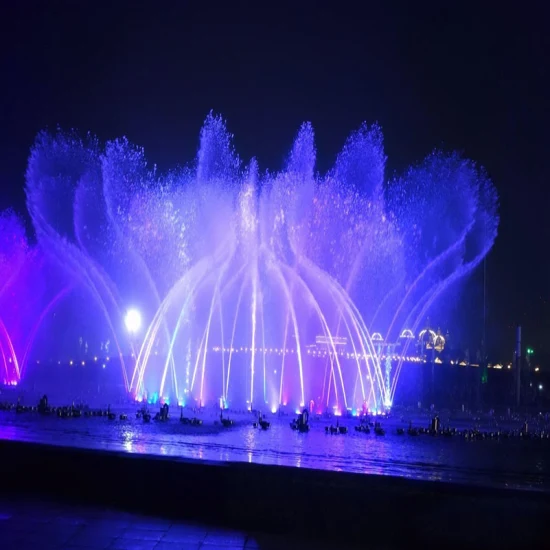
x: 518, y: 366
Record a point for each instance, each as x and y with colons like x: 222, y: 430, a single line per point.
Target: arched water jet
x: 11, y: 364
x: 363, y: 335
x: 32, y: 336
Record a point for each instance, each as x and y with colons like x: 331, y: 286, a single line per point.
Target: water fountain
x: 15, y: 260
x: 256, y: 290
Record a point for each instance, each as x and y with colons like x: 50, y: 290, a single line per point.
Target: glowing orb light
x: 132, y: 320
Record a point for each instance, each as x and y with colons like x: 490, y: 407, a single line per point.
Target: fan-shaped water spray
x: 257, y: 291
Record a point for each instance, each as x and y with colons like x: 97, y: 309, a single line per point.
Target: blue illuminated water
x: 509, y: 463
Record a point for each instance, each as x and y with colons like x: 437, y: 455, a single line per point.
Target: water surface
x: 508, y: 463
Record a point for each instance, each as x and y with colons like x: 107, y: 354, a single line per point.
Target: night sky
x: 452, y: 74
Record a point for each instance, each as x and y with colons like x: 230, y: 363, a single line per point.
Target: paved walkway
x: 27, y: 524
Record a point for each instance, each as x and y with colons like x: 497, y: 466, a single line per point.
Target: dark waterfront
x: 509, y: 463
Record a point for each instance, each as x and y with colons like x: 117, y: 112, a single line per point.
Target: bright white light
x: 540, y: 386
x: 132, y: 320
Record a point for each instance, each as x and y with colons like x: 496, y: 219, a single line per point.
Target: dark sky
x: 447, y: 74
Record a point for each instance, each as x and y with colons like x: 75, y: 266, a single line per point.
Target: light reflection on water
x: 509, y: 463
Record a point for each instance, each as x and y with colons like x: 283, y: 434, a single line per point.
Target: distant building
x: 323, y: 342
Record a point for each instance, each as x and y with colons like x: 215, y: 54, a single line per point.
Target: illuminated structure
x: 336, y: 341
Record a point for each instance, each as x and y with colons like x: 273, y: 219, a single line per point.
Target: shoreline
x: 508, y: 463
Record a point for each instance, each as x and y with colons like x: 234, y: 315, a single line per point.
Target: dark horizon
x: 450, y: 78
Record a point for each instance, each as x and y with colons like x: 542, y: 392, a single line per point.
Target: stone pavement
x: 38, y: 524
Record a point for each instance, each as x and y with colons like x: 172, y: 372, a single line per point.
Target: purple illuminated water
x: 238, y: 276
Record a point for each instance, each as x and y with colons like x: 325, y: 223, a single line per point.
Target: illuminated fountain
x: 257, y: 291
x: 251, y: 290
x: 15, y: 257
